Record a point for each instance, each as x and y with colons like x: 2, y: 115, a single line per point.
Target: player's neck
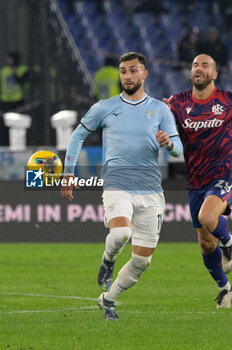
x: 138, y: 95
x: 205, y: 93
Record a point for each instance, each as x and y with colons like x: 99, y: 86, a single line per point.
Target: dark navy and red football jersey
x: 205, y: 129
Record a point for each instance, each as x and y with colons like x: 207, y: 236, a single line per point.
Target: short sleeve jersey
x: 130, y: 149
x: 205, y: 129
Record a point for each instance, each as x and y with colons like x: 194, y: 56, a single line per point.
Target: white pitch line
x: 80, y: 309
x: 47, y: 296
x: 52, y: 296
x: 169, y: 312
x: 93, y: 308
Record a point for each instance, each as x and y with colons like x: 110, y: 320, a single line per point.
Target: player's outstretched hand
x: 166, y: 101
x: 67, y: 188
x: 163, y: 138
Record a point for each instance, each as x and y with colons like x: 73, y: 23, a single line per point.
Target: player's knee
x: 207, y: 221
x: 140, y: 263
x: 131, y: 272
x: 207, y: 245
x: 119, y: 236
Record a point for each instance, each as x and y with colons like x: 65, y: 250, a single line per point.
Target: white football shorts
x: 145, y: 212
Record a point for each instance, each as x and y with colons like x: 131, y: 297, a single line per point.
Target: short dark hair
x: 133, y: 55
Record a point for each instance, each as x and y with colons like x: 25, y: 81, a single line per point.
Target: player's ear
x: 145, y: 73
x: 215, y: 75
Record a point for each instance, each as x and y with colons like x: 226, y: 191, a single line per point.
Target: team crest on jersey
x: 149, y: 114
x: 217, y: 109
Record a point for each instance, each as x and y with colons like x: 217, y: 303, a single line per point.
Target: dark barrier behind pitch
x: 44, y: 216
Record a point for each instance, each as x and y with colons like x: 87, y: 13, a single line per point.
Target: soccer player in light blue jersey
x: 135, y: 126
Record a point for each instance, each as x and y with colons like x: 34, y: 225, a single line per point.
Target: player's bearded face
x: 132, y: 76
x: 130, y: 87
x: 201, y: 80
x: 203, y: 72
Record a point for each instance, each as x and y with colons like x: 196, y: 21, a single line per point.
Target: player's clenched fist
x: 164, y: 140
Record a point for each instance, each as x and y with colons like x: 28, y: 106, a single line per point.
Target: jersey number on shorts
x: 159, y: 223
x: 225, y: 186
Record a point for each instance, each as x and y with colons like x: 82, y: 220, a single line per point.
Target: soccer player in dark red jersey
x: 204, y: 119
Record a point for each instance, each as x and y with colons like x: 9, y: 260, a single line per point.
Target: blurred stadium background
x: 63, y: 43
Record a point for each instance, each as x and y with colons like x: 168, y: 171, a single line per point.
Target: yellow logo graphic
x: 149, y: 113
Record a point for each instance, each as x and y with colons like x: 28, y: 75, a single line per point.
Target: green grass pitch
x: 48, y: 301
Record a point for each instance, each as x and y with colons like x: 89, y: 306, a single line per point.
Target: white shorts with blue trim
x: 145, y: 212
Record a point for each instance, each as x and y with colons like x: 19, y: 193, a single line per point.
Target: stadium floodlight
x: 63, y: 122
x: 18, y: 123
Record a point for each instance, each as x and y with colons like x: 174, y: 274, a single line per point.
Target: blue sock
x: 213, y: 263
x: 221, y: 231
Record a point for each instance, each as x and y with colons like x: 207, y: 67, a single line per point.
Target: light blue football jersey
x: 130, y: 149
